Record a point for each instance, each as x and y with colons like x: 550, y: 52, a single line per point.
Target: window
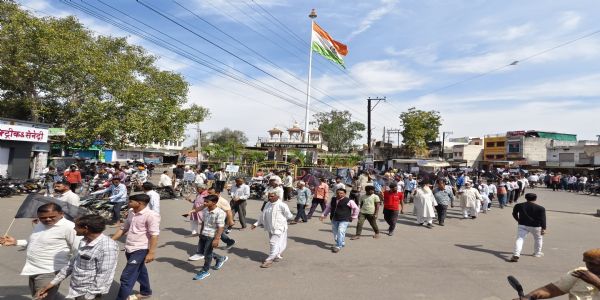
x: 499, y: 156
x: 489, y: 156
x: 514, y: 147
x: 490, y: 144
x: 500, y: 144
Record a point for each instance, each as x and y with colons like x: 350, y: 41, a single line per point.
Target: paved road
x: 466, y: 259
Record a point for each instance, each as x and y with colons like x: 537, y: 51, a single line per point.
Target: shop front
x: 23, y: 148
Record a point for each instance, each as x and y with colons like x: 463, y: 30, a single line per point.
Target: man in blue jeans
x: 341, y: 211
x: 213, y: 225
x: 142, y: 228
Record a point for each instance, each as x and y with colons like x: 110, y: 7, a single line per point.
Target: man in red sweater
x: 73, y: 176
x: 392, y: 204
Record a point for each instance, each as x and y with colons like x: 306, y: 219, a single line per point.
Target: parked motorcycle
x: 257, y: 188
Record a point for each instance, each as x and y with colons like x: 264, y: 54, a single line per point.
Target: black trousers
x: 441, y: 213
x: 116, y: 211
x: 301, y: 214
x: 390, y: 217
x: 73, y: 187
x: 316, y: 202
x: 287, y: 193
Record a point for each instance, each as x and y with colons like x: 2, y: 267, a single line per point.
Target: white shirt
x: 68, y: 197
x: 165, y: 180
x: 200, y: 178
x: 49, y: 248
x: 289, y: 181
x: 242, y: 192
x: 493, y: 189
x: 154, y: 203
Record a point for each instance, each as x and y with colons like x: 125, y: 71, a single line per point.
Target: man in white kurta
x: 274, y: 218
x: 424, y: 206
x: 470, y: 200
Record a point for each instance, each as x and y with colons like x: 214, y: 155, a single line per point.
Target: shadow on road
x: 572, y: 212
x: 318, y: 243
x: 499, y: 254
x: 179, y: 231
x: 250, y: 254
x: 180, y: 264
x: 190, y: 247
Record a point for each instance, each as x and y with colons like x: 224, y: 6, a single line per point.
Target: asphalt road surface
x: 466, y: 259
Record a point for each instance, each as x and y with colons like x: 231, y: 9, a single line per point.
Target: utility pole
x: 369, y: 110
x: 396, y: 131
x: 444, y: 140
x: 199, y: 143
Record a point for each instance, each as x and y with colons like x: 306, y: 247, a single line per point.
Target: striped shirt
x: 92, y: 269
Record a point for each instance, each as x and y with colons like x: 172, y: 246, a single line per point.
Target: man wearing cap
x: 580, y: 283
x: 532, y: 219
x: 470, y: 199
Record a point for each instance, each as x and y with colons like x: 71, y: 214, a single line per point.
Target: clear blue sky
x: 434, y: 55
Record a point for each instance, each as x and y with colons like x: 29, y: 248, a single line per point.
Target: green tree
x: 55, y: 71
x: 339, y: 131
x: 419, y: 127
x: 226, y: 136
x: 299, y: 157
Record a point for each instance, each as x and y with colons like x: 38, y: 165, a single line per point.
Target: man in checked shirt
x: 93, y: 267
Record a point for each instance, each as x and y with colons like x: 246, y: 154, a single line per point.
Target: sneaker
x: 390, y: 233
x: 429, y: 225
x: 278, y: 258
x: 201, y: 275
x: 538, y: 254
x: 196, y: 257
x: 228, y: 231
x: 335, y: 249
x: 514, y: 258
x: 220, y: 263
x: 229, y: 246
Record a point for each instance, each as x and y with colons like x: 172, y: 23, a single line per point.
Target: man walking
x: 64, y: 193
x: 410, y: 185
x: 213, y: 225
x: 221, y: 179
x: 274, y: 219
x: 319, y: 197
x: 470, y: 200
x: 93, y: 267
x: 343, y: 211
x: 240, y: 192
x: 392, y: 204
x: 532, y: 219
x: 73, y: 177
x: 443, y: 196
x: 369, y: 209
x: 301, y: 202
x: 118, y: 198
x: 142, y: 229
x: 154, y: 204
x: 49, y: 248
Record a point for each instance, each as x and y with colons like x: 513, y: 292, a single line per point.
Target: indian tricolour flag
x: 323, y: 44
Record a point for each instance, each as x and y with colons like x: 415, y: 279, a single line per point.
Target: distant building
x: 468, y: 155
x: 563, y: 154
x: 529, y: 148
x: 278, y: 145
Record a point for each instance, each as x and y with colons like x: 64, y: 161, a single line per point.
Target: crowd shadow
x: 250, y: 254
x: 180, y: 264
x: 189, y: 248
x: 571, y: 212
x: 478, y: 248
x: 179, y: 231
x: 311, y: 242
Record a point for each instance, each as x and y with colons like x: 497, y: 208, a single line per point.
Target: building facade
x: 570, y: 154
x: 23, y: 148
x: 529, y: 148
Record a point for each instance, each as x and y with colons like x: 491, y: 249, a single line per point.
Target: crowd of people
x: 59, y: 248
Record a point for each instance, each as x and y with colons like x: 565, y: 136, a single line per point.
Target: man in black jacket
x: 532, y: 219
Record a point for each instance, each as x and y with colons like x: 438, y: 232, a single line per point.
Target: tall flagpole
x: 312, y: 16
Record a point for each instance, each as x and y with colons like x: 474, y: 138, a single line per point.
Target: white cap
x: 276, y: 178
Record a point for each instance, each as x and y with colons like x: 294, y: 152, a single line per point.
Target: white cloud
x: 570, y: 20
x: 373, y: 16
x: 508, y: 34
x: 425, y: 55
